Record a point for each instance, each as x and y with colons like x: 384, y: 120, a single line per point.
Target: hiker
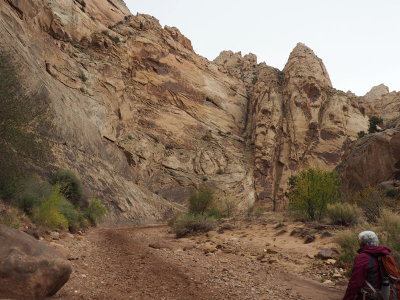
x: 366, y: 266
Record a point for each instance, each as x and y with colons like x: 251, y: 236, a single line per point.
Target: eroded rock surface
x: 372, y: 160
x: 143, y: 119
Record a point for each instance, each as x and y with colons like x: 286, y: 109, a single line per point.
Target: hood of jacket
x: 376, y: 251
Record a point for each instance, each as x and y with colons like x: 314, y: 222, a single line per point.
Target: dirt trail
x: 147, y: 262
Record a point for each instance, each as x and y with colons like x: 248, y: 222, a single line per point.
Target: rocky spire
x: 376, y: 92
x: 304, y: 64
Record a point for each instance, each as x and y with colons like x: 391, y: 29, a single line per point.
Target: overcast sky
x: 358, y: 40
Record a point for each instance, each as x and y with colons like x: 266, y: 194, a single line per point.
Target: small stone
x: 309, y: 239
x: 271, y: 251
x: 325, y: 234
x: 326, y: 253
x: 55, y: 235
x: 337, y: 276
x: 330, y: 261
x: 283, y: 231
x: 210, y: 250
x: 272, y: 260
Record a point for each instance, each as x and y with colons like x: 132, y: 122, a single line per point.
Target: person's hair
x: 368, y: 238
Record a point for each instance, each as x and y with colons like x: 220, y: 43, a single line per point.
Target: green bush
x: 343, y: 214
x: 220, y: 172
x: 186, y: 224
x: 73, y: 215
x: 48, y: 213
x: 70, y: 186
x: 311, y: 191
x: 95, y: 211
x: 30, y: 193
x: 374, y: 121
x: 215, y: 213
x: 8, y: 187
x: 200, y: 201
x: 361, y: 134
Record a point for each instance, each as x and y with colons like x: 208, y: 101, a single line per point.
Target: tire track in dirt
x: 117, y: 263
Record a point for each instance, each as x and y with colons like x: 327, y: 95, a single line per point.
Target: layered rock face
x: 298, y: 120
x: 143, y: 119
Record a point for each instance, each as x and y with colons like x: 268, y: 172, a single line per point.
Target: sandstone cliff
x: 143, y: 119
x: 371, y: 160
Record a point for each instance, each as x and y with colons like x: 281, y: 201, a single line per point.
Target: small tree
x: 373, y: 122
x: 200, y: 201
x: 311, y: 191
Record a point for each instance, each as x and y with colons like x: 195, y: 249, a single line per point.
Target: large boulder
x: 371, y: 160
x: 29, y: 269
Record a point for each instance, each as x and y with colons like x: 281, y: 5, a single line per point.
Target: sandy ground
x: 246, y: 260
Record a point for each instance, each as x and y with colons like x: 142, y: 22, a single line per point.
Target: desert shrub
x: 259, y: 211
x: 186, y: 224
x: 220, y: 172
x: 200, y: 201
x: 374, y: 121
x: 230, y: 207
x: 372, y: 200
x: 215, y: 213
x: 389, y: 223
x: 226, y: 206
x: 343, y: 214
x: 48, y: 213
x: 348, y: 243
x: 30, y: 193
x: 95, y: 211
x: 83, y: 77
x: 70, y: 186
x: 73, y: 215
x: 311, y: 191
x: 115, y: 39
x: 9, y: 216
x: 8, y: 187
x: 392, y: 193
x: 361, y: 134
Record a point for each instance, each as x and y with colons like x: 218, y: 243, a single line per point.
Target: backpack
x: 387, y: 268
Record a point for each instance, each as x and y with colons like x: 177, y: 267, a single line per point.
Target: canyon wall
x: 143, y: 119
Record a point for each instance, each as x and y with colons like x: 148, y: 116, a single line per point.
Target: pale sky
x: 358, y: 40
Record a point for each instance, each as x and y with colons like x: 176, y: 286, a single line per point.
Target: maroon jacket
x: 366, y: 267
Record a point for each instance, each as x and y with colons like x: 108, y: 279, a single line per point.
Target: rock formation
x: 143, y: 119
x: 371, y: 160
x: 28, y: 268
x: 378, y: 101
